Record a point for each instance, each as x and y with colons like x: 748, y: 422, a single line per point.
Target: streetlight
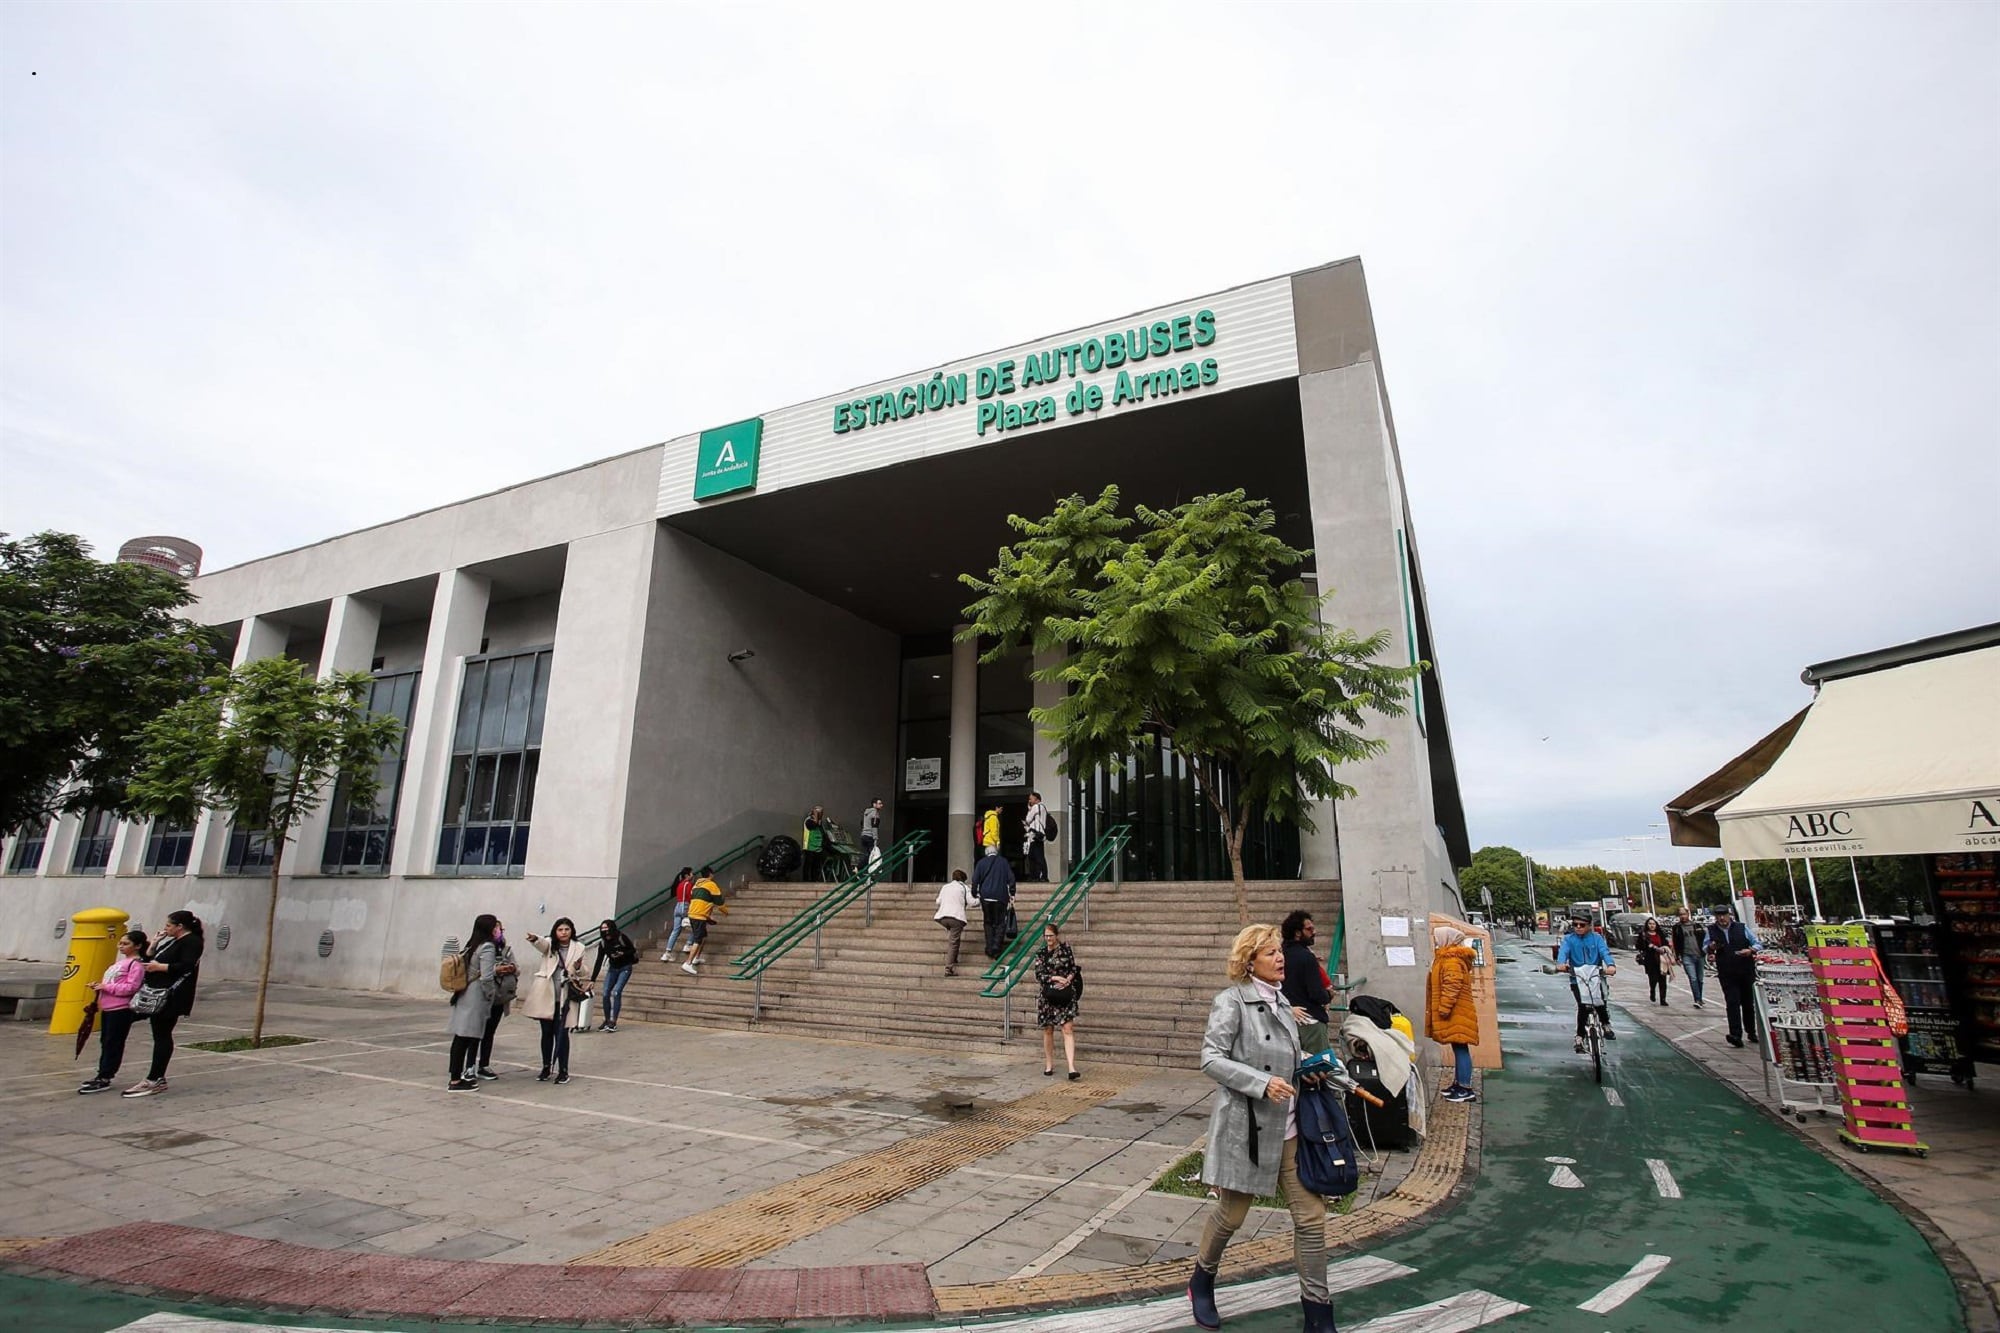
x: 1677, y: 863
x: 1647, y: 837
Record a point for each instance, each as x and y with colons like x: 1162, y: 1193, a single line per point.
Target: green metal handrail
x: 755, y: 961
x: 1006, y: 971
x: 747, y: 847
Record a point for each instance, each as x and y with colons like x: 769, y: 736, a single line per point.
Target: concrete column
x: 1053, y: 786
x: 962, y: 793
x: 1386, y: 829
x: 349, y: 645
x: 61, y: 846
x: 258, y: 638
x: 586, y: 758
x: 458, y: 619
x: 128, y: 847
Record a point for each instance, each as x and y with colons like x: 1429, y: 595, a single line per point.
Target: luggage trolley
x: 1798, y: 1067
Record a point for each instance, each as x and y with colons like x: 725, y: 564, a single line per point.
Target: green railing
x: 858, y: 887
x: 748, y: 847
x: 1106, y: 857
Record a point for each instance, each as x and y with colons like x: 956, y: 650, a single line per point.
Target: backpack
x: 1374, y: 1008
x: 1048, y: 827
x: 451, y: 973
x: 1328, y: 1159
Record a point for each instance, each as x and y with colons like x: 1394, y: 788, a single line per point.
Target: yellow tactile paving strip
x: 1436, y: 1173
x: 9, y: 1244
x: 767, y: 1221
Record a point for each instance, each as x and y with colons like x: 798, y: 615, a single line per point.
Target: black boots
x: 1319, y: 1316
x: 1201, y: 1295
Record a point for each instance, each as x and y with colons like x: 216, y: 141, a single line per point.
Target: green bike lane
x: 1765, y: 1232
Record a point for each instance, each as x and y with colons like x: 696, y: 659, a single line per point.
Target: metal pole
x: 1006, y: 1014
x: 1813, y: 885
x: 819, y: 921
x: 1529, y: 866
x: 1086, y: 909
x: 1792, y: 880
x: 1861, y: 908
x: 757, y: 1004
x: 868, y: 904
x: 1117, y: 865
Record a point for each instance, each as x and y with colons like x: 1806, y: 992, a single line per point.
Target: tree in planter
x: 89, y: 652
x: 264, y: 747
x: 1194, y: 626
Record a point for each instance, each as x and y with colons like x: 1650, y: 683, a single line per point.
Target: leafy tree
x: 265, y: 748
x: 1503, y: 871
x: 1191, y: 623
x: 89, y: 653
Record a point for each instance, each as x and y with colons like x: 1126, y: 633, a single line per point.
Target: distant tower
x: 177, y: 555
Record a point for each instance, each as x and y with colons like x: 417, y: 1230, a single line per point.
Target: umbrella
x: 83, y: 1032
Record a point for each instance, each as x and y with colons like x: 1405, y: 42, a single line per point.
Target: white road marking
x: 1561, y: 1161
x: 1625, y: 1288
x: 1611, y: 1096
x: 1689, y: 1036
x: 187, y: 1323
x: 1467, y: 1310
x: 1171, y: 1312
x: 1565, y: 1179
x: 1663, y: 1179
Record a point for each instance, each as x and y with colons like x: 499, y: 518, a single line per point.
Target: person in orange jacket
x: 1451, y: 1016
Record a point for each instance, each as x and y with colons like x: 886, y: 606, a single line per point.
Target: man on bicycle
x: 1585, y: 946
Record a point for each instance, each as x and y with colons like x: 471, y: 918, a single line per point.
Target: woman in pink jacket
x: 114, y: 1006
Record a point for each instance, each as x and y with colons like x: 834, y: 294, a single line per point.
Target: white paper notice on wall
x: 1395, y: 927
x: 1402, y: 957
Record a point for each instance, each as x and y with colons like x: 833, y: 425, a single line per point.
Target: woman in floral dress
x: 1060, y: 982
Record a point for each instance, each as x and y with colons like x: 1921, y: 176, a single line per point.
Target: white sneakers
x: 146, y: 1087
x: 689, y: 969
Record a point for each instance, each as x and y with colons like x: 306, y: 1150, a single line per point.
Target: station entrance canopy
x: 1900, y: 760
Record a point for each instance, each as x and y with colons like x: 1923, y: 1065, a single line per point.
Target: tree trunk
x: 1236, y: 832
x: 1233, y: 826
x: 270, y: 942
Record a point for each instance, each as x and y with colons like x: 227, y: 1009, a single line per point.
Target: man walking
x: 1687, y: 948
x: 1034, y: 850
x: 871, y: 834
x: 1305, y: 985
x: 1733, y: 949
x: 954, y: 909
x: 705, y: 902
x: 993, y: 881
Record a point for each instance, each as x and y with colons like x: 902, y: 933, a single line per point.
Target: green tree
x: 264, y: 748
x: 89, y: 653
x: 1503, y: 871
x: 1191, y: 623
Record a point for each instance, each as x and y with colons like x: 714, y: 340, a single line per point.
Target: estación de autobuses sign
x: 1004, y: 391
x: 1228, y: 340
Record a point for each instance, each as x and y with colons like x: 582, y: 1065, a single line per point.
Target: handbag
x: 150, y: 999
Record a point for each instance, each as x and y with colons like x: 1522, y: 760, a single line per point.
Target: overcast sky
x: 1690, y: 315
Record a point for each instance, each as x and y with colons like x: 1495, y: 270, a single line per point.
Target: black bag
x: 1013, y: 927
x: 780, y: 857
x: 1375, y: 1009
x: 1387, y: 1125
x: 1329, y: 1163
x: 1048, y: 827
x: 1065, y: 995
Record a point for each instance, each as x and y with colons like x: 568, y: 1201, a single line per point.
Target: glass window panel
x: 539, y: 705
x: 376, y: 853
x: 472, y: 848
x: 447, y: 846
x: 480, y: 809
x: 498, y: 839
x: 528, y: 771
x: 493, y: 716
x: 454, y: 798
x: 927, y: 687
x: 520, y: 845
x: 926, y: 740
x: 520, y: 696
x: 1004, y: 686
x: 468, y: 706
x: 506, y: 786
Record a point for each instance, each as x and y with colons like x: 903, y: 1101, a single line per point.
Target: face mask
x: 499, y: 936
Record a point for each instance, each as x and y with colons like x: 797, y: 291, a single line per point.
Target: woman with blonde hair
x: 1252, y: 1049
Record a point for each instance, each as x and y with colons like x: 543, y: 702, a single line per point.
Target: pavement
x: 1952, y: 1194
x: 683, y: 1176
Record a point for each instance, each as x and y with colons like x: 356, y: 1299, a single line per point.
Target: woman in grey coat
x: 1252, y: 1049
x: 471, y: 1007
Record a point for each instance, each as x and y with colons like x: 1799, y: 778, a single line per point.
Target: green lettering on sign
x: 726, y: 459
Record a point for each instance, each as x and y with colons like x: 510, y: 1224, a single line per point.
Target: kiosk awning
x: 1899, y: 761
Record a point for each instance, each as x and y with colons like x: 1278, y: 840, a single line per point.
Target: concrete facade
x: 715, y: 668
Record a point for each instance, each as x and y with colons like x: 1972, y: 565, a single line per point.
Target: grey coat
x: 1249, y: 1041
x: 475, y: 1002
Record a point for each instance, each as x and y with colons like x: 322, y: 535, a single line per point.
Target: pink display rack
x: 1867, y: 1066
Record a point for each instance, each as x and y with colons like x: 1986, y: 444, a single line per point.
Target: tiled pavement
x: 343, y: 1171
x: 1955, y: 1191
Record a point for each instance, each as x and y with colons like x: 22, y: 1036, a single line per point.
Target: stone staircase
x: 1152, y: 956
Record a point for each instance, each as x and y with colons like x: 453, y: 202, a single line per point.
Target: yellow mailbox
x: 93, y: 943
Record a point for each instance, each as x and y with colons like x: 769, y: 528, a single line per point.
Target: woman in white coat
x: 550, y: 991
x: 1252, y: 1050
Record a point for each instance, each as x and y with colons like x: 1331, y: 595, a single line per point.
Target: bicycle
x: 1593, y: 992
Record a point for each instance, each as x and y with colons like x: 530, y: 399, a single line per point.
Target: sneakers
x: 666, y: 958
x: 488, y: 1073
x: 461, y: 1085
x: 96, y: 1085
x: 1609, y: 1035
x: 563, y: 1077
x: 146, y: 1087
x: 545, y: 1075
x: 689, y: 969
x: 1579, y: 1045
x: 1460, y: 1095
x: 609, y: 1027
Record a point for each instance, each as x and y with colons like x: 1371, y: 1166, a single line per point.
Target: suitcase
x: 1384, y: 1126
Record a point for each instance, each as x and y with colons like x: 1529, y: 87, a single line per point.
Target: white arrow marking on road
x: 1625, y: 1288
x: 1611, y: 1095
x: 1467, y: 1310
x: 1565, y: 1179
x: 1663, y: 1179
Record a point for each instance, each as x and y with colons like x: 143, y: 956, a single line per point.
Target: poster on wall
x: 1007, y: 770
x: 923, y: 774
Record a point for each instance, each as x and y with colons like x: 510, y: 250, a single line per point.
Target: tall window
x: 250, y: 852
x: 93, y: 843
x: 168, y: 843
x: 360, y: 838
x: 496, y: 749
x: 29, y: 841
x: 1176, y: 834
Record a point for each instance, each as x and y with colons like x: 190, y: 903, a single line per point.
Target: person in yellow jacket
x: 989, y: 831
x: 1450, y: 1013
x: 702, y: 907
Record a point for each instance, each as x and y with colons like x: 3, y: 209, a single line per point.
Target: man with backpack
x: 1039, y: 826
x: 993, y: 881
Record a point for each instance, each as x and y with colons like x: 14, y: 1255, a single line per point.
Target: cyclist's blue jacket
x: 1584, y: 949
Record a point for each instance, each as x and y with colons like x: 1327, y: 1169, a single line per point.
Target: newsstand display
x: 1913, y: 958
x: 1967, y: 887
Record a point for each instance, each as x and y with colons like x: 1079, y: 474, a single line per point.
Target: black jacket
x: 615, y: 949
x: 183, y: 959
x: 1725, y: 942
x: 1303, y: 986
